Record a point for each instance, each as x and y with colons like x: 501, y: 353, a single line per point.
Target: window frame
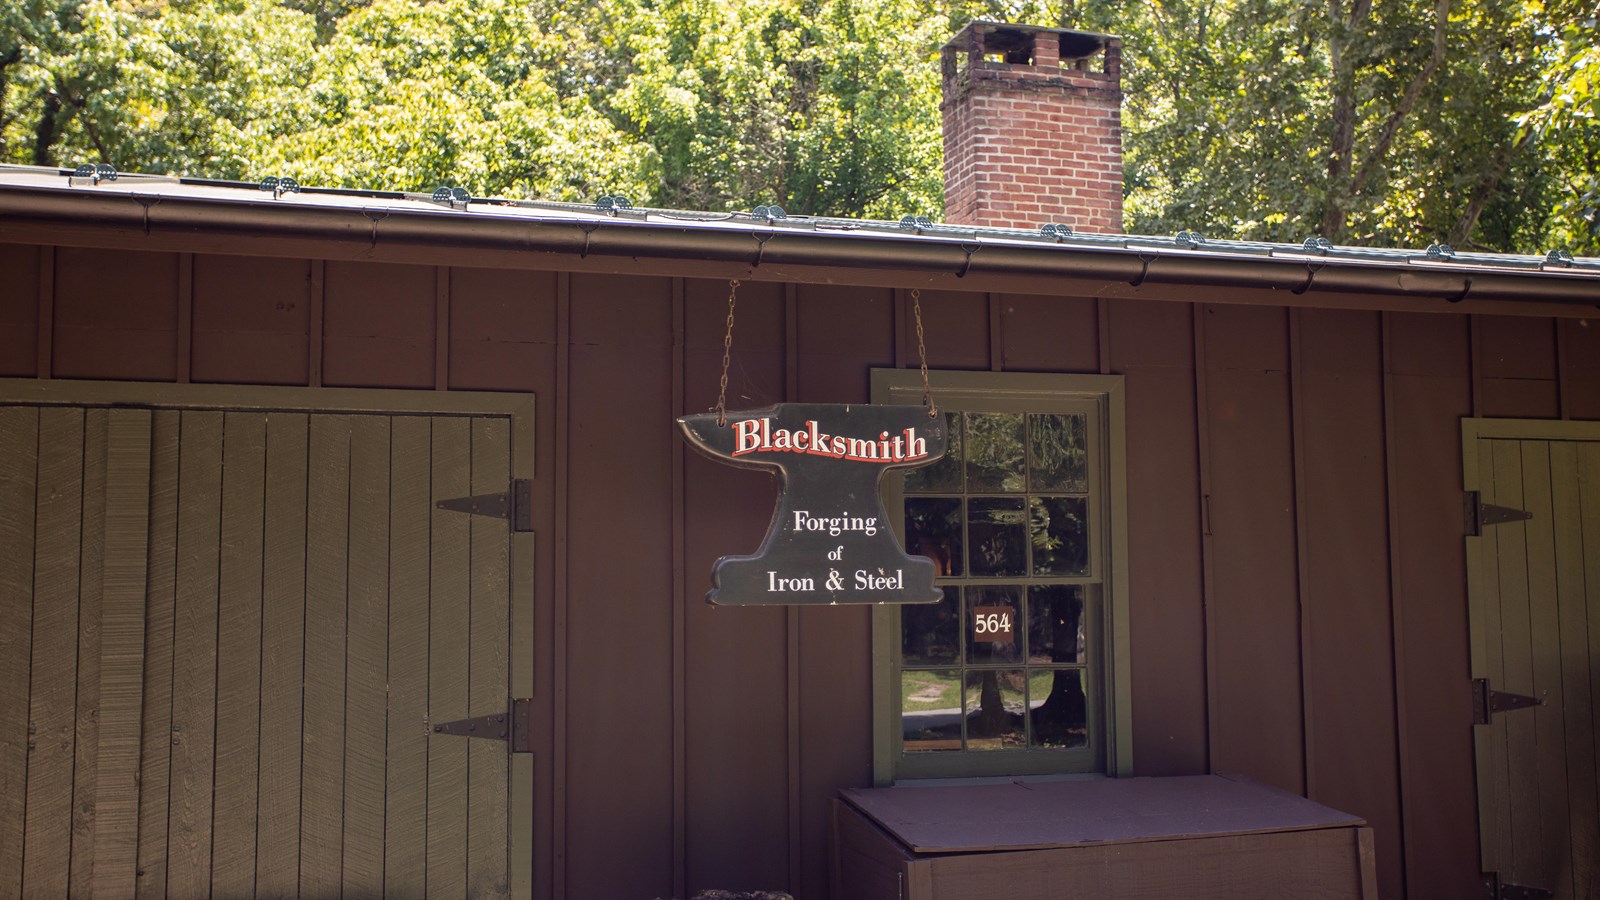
x: 1108, y: 684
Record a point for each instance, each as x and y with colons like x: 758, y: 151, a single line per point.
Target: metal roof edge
x: 161, y: 206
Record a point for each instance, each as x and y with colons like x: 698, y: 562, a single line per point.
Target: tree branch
x: 1408, y: 102
x: 1467, y: 222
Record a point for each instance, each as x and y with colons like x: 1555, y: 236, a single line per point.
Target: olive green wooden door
x: 1535, y: 588
x: 224, y: 638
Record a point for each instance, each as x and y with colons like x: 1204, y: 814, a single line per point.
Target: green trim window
x: 1014, y: 671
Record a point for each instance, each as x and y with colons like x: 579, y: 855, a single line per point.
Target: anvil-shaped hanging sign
x: 829, y: 541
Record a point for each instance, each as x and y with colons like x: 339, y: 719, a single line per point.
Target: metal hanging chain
x: 922, y: 353
x: 727, y: 348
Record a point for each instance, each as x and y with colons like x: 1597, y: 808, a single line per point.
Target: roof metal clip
x: 1441, y: 251
x: 588, y: 232
x: 1146, y: 259
x: 1558, y: 258
x: 1317, y: 245
x: 453, y: 197
x: 375, y: 214
x: 970, y: 248
x: 93, y: 174
x: 612, y: 203
x: 917, y: 222
x: 1190, y: 239
x: 769, y: 214
x: 1059, y: 232
x: 146, y: 201
x: 279, y: 186
x: 1311, y: 275
x: 761, y: 247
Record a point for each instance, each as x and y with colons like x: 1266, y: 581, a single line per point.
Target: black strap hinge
x: 515, y: 505
x: 1481, y: 515
x: 509, y: 726
x: 1495, y: 889
x: 1486, y: 702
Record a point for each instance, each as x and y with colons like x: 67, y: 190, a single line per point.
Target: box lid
x: 1024, y: 815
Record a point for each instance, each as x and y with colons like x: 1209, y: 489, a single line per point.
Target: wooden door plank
x: 487, y: 788
x: 155, y: 756
x: 1576, y: 659
x: 126, y: 561
x: 1516, y: 649
x: 367, y: 670
x: 1489, y: 740
x: 1548, y: 767
x: 47, y: 834
x: 521, y: 788
x: 448, y: 635
x: 1588, y: 491
x: 405, y: 834
x: 91, y: 556
x: 244, y: 450
x: 322, y: 762
x: 19, y: 461
x: 283, y: 627
x: 194, y: 668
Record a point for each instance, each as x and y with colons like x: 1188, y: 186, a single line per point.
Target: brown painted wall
x: 1298, y: 584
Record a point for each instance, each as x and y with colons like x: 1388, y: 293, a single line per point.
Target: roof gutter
x: 156, y: 213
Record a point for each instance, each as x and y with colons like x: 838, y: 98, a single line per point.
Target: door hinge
x: 515, y: 505
x: 1495, y: 889
x: 1481, y: 515
x: 1486, y: 702
x: 505, y: 726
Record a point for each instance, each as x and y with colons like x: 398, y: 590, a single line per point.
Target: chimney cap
x: 1003, y: 36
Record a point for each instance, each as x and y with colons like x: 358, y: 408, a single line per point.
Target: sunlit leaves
x: 1232, y: 107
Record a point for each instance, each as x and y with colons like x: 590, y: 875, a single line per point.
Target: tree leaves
x: 1395, y: 123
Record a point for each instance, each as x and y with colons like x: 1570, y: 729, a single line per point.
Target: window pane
x: 944, y: 476
x: 929, y: 632
x: 995, y: 700
x: 1060, y: 713
x: 1057, y: 454
x: 1060, y: 535
x: 930, y: 710
x: 998, y: 538
x: 1055, y: 623
x: 933, y: 529
x: 994, y: 452
x: 993, y: 632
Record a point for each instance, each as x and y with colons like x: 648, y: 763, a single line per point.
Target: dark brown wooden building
x: 233, y: 611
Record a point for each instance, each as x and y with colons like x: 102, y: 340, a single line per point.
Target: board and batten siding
x: 226, y: 634
x: 1297, y: 573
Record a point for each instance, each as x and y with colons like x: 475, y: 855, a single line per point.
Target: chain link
x: 727, y: 349
x: 727, y: 353
x: 922, y: 353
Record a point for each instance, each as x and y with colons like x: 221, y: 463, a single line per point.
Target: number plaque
x: 993, y: 624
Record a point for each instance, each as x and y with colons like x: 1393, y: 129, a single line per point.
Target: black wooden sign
x: 829, y: 541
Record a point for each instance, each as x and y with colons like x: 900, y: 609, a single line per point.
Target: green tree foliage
x: 821, y: 107
x: 1392, y: 123
x: 196, y: 87
x: 1566, y: 125
x: 455, y: 92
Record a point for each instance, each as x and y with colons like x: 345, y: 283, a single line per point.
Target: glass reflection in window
x: 999, y: 539
x: 931, y: 632
x: 1058, y: 709
x: 930, y: 710
x: 994, y: 703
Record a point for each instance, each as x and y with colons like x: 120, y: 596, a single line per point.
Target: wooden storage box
x: 1206, y: 836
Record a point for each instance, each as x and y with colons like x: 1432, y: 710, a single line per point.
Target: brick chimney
x: 1033, y: 128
